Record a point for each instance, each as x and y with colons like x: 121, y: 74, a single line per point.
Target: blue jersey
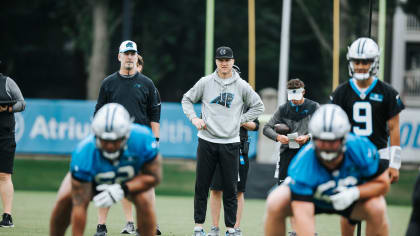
x: 88, y: 164
x: 311, y: 181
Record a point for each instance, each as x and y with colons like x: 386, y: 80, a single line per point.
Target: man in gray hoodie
x: 223, y: 95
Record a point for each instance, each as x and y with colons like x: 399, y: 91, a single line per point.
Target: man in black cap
x: 223, y: 95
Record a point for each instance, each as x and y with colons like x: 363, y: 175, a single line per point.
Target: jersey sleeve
x: 364, y: 154
x: 81, y: 165
x: 337, y: 95
x: 395, y: 105
x: 148, y: 148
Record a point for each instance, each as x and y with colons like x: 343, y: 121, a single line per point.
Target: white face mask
x: 295, y: 94
x: 111, y: 155
x: 328, y: 156
x: 361, y: 76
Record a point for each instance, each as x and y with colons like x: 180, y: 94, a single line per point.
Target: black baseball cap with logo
x: 224, y: 53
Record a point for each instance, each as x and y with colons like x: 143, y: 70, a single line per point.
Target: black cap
x: 224, y: 52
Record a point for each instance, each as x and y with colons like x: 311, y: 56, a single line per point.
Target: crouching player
x: 337, y: 173
x: 120, y: 160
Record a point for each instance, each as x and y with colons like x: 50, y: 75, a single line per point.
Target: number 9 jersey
x: 88, y: 165
x: 369, y: 109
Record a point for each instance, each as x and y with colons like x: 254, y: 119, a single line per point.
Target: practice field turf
x: 32, y: 210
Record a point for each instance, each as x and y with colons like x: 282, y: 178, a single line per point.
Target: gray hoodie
x: 222, y: 106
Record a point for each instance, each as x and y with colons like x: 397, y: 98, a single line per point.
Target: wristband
x: 157, y: 139
x: 395, y: 157
x: 125, y: 189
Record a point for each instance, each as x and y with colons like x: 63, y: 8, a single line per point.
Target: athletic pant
x: 285, y: 158
x: 217, y: 181
x: 414, y: 225
x: 208, y: 156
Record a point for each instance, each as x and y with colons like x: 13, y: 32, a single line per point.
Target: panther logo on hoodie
x: 224, y: 99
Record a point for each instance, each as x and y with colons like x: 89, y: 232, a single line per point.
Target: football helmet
x: 330, y: 123
x: 111, y: 123
x: 363, y: 49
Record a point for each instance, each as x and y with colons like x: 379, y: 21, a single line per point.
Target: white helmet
x: 112, y: 122
x: 329, y: 122
x: 363, y: 49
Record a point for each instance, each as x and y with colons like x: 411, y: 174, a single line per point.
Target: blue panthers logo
x: 129, y: 45
x: 225, y: 99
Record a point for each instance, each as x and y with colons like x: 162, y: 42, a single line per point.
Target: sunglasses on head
x: 363, y: 62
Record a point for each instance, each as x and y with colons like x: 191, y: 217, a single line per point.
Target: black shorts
x: 7, y: 155
x: 216, y: 183
x: 345, y: 213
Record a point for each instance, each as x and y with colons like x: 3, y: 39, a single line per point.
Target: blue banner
x: 56, y: 126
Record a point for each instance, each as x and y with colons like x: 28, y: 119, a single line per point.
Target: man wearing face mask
x: 295, y: 114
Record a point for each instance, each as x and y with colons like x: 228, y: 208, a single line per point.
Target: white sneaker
x: 199, y: 231
x: 214, y: 231
x: 238, y: 232
x: 230, y: 232
x: 129, y: 228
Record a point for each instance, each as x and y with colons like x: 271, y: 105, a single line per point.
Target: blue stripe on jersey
x: 357, y: 91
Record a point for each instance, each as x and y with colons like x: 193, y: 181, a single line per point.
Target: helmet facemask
x: 373, y: 69
x: 329, y: 155
x: 112, y: 155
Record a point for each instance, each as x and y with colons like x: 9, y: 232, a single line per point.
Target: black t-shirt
x: 137, y: 94
x: 369, y: 111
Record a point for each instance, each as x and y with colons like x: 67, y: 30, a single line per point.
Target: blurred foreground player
x: 337, y: 173
x: 120, y: 160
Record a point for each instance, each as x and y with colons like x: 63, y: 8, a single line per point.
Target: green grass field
x: 36, y: 181
x: 175, y: 216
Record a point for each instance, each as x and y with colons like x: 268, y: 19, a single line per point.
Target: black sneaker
x: 7, y: 221
x: 101, y: 230
x: 158, y: 230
